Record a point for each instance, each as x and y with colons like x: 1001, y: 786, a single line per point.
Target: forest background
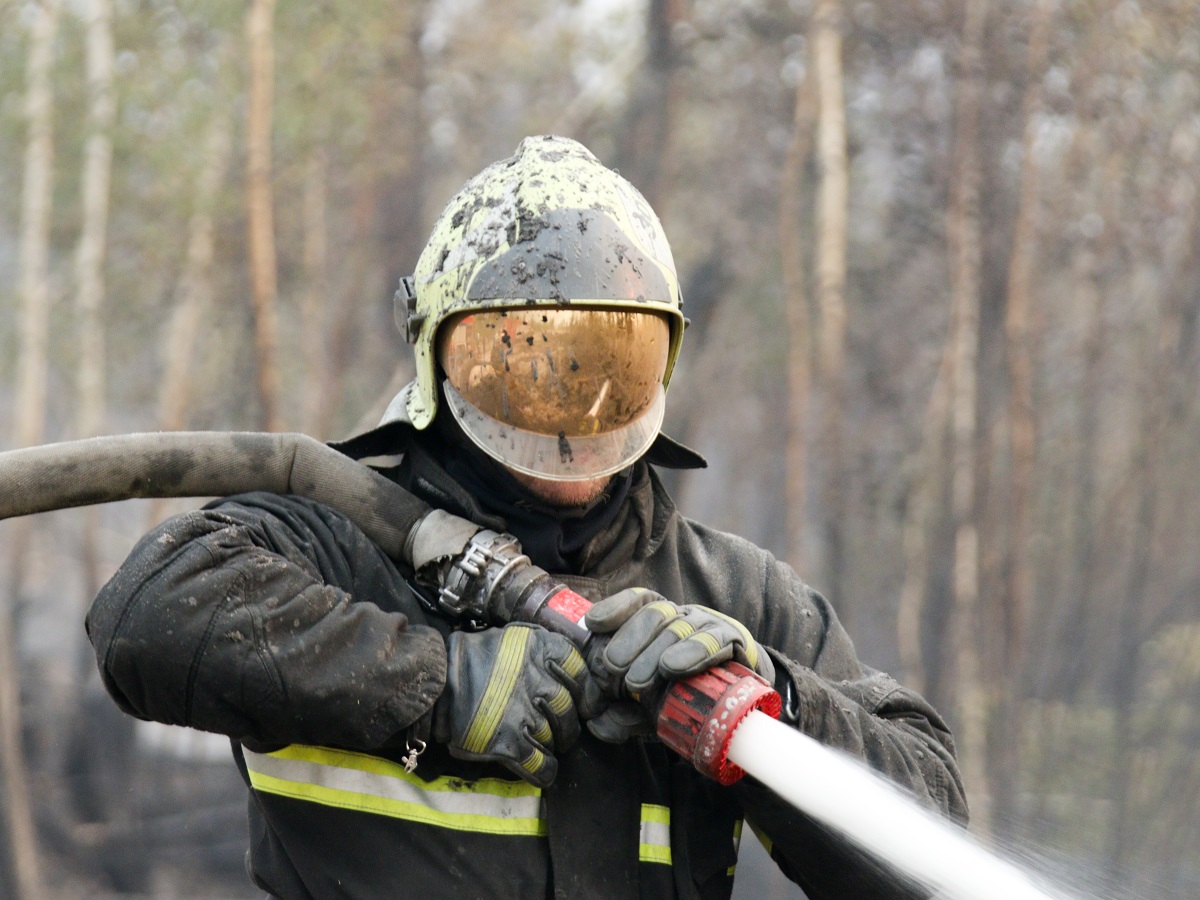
x: 942, y: 265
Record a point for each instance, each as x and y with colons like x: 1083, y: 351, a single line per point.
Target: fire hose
x: 723, y: 720
x: 478, y: 574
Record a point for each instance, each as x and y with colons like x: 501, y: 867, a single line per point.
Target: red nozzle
x: 700, y: 714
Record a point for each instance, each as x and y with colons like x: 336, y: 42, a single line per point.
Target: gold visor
x: 581, y: 379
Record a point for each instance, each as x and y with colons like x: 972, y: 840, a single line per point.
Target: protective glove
x: 514, y: 695
x: 652, y: 642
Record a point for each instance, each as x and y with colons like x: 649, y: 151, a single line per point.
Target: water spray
x: 847, y: 796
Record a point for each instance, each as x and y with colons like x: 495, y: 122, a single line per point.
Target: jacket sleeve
x: 270, y: 619
x: 836, y: 700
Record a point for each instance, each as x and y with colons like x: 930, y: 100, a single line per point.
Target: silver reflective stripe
x: 655, y: 843
x: 370, y: 784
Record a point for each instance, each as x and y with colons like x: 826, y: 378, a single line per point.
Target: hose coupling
x: 471, y: 579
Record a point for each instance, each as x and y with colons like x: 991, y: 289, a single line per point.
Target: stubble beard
x: 563, y: 493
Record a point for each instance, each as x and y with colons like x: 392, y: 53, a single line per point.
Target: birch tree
x: 316, y: 282
x: 260, y: 221
x: 32, y: 376
x: 832, y: 201
x: 89, y: 259
x: 32, y: 363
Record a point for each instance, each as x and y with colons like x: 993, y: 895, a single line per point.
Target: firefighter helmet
x: 548, y: 295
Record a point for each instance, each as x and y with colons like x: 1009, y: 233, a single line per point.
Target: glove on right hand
x: 514, y: 695
x: 654, y: 641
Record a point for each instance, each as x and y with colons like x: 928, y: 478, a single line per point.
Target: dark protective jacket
x: 275, y: 621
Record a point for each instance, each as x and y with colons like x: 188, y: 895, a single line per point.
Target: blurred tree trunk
x: 964, y: 235
x: 341, y: 329
x: 404, y: 229
x: 316, y: 284
x: 643, y: 133
x: 35, y: 290
x: 831, y: 284
x: 1132, y: 632
x: 1092, y: 267
x: 1022, y: 429
x: 260, y: 221
x: 386, y: 219
x: 193, y: 296
x: 923, y: 492
x: 89, y: 262
x: 32, y: 374
x: 1070, y: 672
x: 22, y: 869
x: 31, y: 395
x: 1163, y: 395
x: 791, y: 257
x: 37, y: 195
x: 643, y: 146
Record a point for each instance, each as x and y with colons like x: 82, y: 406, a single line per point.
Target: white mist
x: 845, y: 795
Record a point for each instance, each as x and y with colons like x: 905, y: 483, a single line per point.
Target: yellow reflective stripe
x: 664, y: 608
x: 762, y: 838
x: 655, y: 843
x: 681, y: 628
x: 369, y: 784
x: 573, y: 665
x: 710, y: 644
x: 534, y: 761
x: 560, y: 702
x: 543, y: 734
x: 737, y: 846
x: 510, y: 659
x: 751, y: 643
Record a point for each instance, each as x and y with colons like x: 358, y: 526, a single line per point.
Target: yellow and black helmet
x: 548, y: 297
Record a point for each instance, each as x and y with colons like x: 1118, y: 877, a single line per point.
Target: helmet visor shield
x: 565, y: 394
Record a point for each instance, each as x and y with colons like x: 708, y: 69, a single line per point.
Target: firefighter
x: 391, y: 749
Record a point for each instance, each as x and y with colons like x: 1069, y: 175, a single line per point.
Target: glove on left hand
x: 655, y: 641
x: 514, y: 695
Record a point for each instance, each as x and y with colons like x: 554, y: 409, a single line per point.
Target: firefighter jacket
x: 275, y: 621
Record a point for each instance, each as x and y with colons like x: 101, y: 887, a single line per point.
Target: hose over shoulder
x: 206, y: 464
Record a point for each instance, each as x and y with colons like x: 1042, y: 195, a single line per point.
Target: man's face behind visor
x: 560, y: 393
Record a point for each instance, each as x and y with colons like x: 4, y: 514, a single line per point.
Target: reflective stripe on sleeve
x: 655, y: 844
x: 369, y: 784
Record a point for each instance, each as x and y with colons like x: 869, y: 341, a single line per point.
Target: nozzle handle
x: 698, y: 715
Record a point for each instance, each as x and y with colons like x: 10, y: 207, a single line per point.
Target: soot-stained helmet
x: 547, y: 297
